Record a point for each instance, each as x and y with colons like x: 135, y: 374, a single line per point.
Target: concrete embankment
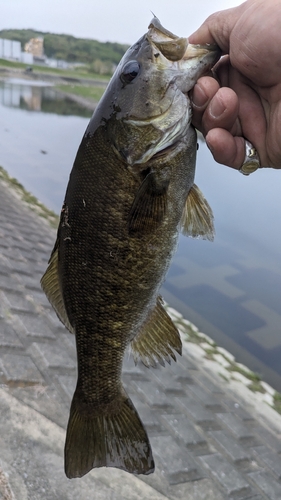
x: 213, y: 438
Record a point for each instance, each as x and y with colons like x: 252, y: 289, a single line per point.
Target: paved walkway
x: 210, y: 442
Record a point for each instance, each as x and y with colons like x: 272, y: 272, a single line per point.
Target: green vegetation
x: 92, y: 93
x: 211, y: 349
x: 277, y: 401
x: 79, y: 72
x: 64, y: 105
x: 31, y: 200
x: 12, y: 64
x: 211, y: 352
x: 256, y: 387
x: 100, y: 57
x: 255, y: 377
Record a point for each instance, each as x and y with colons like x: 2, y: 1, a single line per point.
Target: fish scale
x: 128, y: 195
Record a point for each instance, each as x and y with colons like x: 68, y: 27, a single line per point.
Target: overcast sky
x: 122, y: 21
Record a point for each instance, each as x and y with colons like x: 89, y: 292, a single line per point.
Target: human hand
x: 248, y: 103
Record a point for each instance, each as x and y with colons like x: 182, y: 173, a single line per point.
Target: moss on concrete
x: 32, y: 202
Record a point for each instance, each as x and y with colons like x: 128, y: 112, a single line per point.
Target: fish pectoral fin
x: 157, y: 339
x: 149, y: 206
x: 52, y: 289
x: 197, y: 218
x: 110, y: 438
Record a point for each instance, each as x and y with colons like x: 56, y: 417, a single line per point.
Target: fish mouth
x: 174, y: 49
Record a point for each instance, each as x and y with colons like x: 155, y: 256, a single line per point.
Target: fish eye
x: 130, y: 71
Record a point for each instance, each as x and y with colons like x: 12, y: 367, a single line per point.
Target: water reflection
x: 20, y: 94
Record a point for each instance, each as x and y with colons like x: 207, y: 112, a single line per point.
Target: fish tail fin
x: 113, y: 437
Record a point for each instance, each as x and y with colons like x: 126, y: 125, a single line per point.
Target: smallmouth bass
x: 130, y: 192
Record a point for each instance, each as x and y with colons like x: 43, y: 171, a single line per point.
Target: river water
x: 231, y: 288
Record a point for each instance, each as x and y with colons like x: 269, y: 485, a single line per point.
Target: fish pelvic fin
x: 149, y: 206
x: 51, y: 286
x: 157, y: 339
x: 109, y: 438
x: 197, y: 218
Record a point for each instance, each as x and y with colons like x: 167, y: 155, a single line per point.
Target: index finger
x: 217, y: 29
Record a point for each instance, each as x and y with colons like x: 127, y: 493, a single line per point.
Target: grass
x: 75, y: 73
x: 92, y: 93
x: 254, y: 377
x: 11, y: 64
x: 256, y: 387
x: 210, y: 353
x: 31, y: 200
x: 277, y: 402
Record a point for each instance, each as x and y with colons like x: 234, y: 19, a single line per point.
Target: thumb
x: 217, y: 28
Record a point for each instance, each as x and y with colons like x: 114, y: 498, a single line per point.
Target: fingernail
x: 199, y: 98
x: 209, y: 145
x: 217, y: 108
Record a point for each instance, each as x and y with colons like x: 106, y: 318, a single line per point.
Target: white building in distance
x: 11, y: 50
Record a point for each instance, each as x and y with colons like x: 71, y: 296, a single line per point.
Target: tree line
x: 102, y: 55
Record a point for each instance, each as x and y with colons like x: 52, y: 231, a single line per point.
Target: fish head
x: 150, y: 109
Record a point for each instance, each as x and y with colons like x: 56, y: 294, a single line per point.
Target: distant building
x: 11, y: 50
x: 35, y: 46
x: 59, y: 63
x: 33, y: 53
x: 26, y: 58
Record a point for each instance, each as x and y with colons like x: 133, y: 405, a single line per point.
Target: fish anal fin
x: 106, y: 438
x: 52, y: 289
x: 149, y: 206
x: 197, y: 218
x: 157, y: 339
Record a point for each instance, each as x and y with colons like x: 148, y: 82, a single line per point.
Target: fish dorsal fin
x: 157, y: 339
x: 149, y: 206
x: 52, y: 289
x: 197, y: 218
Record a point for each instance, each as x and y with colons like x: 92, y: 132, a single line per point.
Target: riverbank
x: 81, y: 89
x: 223, y: 437
x: 45, y: 73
